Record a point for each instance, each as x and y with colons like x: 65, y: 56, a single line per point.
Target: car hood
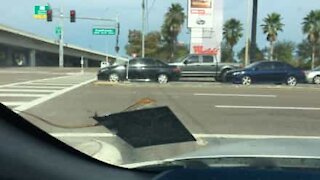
x: 176, y: 64
x: 312, y: 72
x: 110, y: 67
x: 266, y: 148
x: 237, y: 70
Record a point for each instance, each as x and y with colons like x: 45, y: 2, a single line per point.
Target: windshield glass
x: 317, y: 68
x: 181, y: 59
x: 56, y: 70
x: 252, y: 65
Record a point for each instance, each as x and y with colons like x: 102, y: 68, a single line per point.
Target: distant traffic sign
x: 103, y: 31
x: 40, y: 12
x: 58, y: 30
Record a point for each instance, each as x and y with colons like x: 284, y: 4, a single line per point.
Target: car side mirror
x: 185, y: 62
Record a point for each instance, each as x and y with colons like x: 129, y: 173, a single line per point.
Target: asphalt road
x: 214, y: 113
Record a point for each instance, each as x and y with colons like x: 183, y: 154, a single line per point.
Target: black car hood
x: 237, y: 70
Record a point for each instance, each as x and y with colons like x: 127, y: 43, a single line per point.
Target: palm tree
x: 311, y: 27
x: 174, y: 20
x: 232, y: 32
x: 272, y: 25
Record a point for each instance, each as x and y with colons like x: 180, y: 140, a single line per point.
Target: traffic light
x: 49, y: 15
x: 72, y: 16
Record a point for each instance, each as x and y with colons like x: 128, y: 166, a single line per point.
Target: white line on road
x: 51, y: 96
x: 37, y: 87
x: 27, y: 90
x: 228, y: 136
x: 53, y: 84
x: 21, y: 95
x: 13, y: 103
x: 268, y: 107
x: 235, y: 95
x: 32, y: 81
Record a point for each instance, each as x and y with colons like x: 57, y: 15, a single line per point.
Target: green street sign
x: 103, y: 31
x: 40, y: 12
x: 58, y: 30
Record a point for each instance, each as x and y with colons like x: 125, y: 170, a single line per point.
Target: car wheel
x: 114, y: 77
x: 292, y: 81
x: 246, y: 80
x: 223, y: 76
x: 163, y: 78
x: 316, y: 80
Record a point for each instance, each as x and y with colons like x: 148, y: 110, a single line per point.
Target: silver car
x: 314, y: 76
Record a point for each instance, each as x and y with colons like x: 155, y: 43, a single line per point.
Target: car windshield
x: 252, y: 65
x: 64, y: 68
x: 181, y: 59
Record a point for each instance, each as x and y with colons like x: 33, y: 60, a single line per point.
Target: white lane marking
x: 53, y: 84
x: 27, y: 90
x: 20, y: 95
x: 51, y: 96
x: 269, y: 107
x: 234, y: 95
x: 13, y: 103
x: 32, y: 81
x: 36, y: 87
x: 228, y: 136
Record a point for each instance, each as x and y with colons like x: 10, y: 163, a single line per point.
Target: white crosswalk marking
x: 37, y: 87
x: 26, y: 90
x: 24, y: 95
x: 53, y: 84
x: 20, y: 95
x: 14, y: 103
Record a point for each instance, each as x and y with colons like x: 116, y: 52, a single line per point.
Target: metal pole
x: 254, y: 29
x: 143, y: 28
x: 247, y: 34
x: 82, y: 62
x: 127, y: 70
x: 61, y: 61
x: 117, y: 38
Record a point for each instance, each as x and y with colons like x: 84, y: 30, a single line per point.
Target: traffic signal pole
x: 61, y: 40
x: 143, y: 28
x: 248, y: 28
x: 73, y: 18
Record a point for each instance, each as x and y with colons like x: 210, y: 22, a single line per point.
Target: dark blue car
x: 267, y: 72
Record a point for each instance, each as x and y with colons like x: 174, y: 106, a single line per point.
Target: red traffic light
x: 72, y: 16
x: 49, y: 15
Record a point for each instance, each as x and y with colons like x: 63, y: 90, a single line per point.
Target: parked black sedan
x: 146, y: 69
x: 267, y: 72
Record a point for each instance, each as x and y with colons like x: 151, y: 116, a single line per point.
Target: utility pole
x: 143, y: 28
x: 253, y: 45
x: 247, y: 62
x: 61, y: 61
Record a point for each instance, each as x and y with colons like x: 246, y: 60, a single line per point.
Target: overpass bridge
x: 18, y: 48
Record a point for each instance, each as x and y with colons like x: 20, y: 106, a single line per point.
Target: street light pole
x: 247, y: 33
x: 61, y: 61
x: 143, y: 29
x: 253, y: 45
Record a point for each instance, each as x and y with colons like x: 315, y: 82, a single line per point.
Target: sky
x: 18, y: 14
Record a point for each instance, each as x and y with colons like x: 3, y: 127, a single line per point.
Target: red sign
x: 209, y: 51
